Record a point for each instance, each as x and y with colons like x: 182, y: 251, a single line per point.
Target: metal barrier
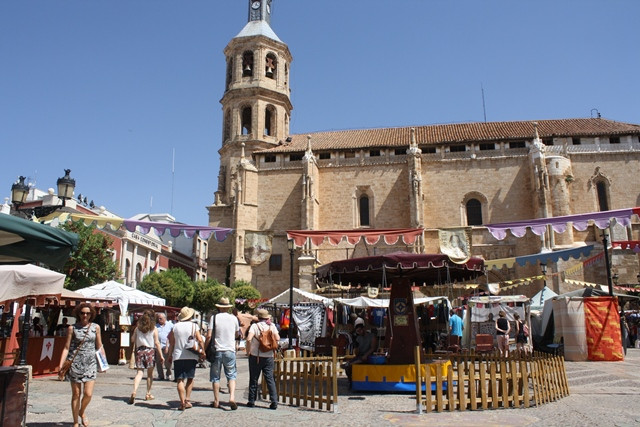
x: 491, y: 382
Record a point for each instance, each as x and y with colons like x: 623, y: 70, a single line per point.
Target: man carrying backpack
x: 261, y: 345
x: 223, y: 330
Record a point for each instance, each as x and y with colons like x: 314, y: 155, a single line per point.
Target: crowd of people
x: 175, y: 350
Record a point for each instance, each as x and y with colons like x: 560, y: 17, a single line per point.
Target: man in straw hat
x: 223, y: 330
x: 259, y: 361
x: 184, y: 360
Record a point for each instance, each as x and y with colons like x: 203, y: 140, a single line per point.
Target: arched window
x: 474, y: 212
x: 269, y: 120
x: 226, y: 133
x: 603, y: 197
x: 229, y: 73
x: 127, y: 271
x: 138, y: 273
x: 363, y: 210
x: 473, y: 209
x: 270, y: 67
x: 246, y: 121
x: 247, y: 64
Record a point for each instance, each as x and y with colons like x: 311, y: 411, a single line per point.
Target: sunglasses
x: 85, y: 313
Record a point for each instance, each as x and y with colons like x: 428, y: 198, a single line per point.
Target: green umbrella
x: 27, y: 241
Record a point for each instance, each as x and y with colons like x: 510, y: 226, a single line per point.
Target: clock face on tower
x: 255, y: 5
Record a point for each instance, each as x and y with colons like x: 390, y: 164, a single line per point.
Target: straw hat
x: 224, y: 303
x: 186, y: 313
x: 263, y: 314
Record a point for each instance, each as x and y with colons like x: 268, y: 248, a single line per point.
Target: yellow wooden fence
x: 307, y: 381
x: 491, y: 382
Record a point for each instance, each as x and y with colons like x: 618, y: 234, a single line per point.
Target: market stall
x: 19, y: 284
x: 483, y: 312
x: 116, y: 321
x: 312, y: 317
x: 401, y: 271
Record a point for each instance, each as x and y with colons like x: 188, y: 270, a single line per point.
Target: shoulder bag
x: 192, y: 343
x: 211, y: 348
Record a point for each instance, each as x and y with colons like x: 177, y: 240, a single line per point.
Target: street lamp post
x: 543, y: 268
x: 19, y: 194
x: 20, y: 190
x: 291, y: 245
x: 607, y: 264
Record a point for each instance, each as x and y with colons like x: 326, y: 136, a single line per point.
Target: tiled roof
x: 454, y: 133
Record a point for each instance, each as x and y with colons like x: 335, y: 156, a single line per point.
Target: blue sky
x: 110, y: 88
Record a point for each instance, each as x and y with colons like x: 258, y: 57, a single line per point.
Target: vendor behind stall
x: 366, y: 343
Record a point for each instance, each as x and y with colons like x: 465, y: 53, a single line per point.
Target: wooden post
x: 334, y: 378
x: 472, y: 385
x: 416, y: 352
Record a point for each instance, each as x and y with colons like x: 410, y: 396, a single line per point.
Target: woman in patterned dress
x: 146, y: 342
x: 84, y: 337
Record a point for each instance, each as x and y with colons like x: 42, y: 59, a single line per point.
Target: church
x: 446, y: 180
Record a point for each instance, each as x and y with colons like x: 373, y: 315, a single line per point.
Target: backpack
x: 267, y: 340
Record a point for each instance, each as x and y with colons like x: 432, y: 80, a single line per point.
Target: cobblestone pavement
x: 602, y: 393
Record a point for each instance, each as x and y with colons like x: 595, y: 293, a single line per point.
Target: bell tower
x: 256, y: 105
x: 256, y: 108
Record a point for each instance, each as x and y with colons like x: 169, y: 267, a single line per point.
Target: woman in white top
x: 146, y: 341
x: 184, y: 361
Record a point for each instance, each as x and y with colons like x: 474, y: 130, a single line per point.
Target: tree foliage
x: 245, y: 292
x: 208, y: 293
x: 91, y: 263
x: 239, y: 283
x: 174, y: 285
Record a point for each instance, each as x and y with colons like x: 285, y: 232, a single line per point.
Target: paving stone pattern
x: 602, y: 394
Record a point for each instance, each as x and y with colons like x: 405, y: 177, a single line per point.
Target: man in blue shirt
x: 455, y: 326
x: 164, y: 327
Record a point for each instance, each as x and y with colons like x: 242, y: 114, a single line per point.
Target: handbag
x: 210, y: 352
x: 192, y: 343
x: 62, y: 373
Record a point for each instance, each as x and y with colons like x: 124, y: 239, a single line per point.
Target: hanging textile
x: 602, y: 323
x: 545, y: 257
x: 390, y: 236
x: 569, y: 321
x: 144, y: 227
x: 559, y: 224
x: 310, y: 321
x: 454, y: 242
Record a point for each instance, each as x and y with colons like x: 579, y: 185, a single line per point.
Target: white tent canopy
x: 19, y: 281
x: 537, y: 301
x: 364, y: 302
x: 300, y: 296
x: 123, y: 294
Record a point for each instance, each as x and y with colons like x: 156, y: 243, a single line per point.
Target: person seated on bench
x: 366, y: 343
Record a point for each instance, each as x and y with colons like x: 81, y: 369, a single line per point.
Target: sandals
x: 132, y: 399
x: 149, y: 396
x: 185, y: 405
x: 85, y: 420
x: 233, y: 406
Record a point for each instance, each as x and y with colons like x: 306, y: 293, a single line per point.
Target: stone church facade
x: 431, y: 177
